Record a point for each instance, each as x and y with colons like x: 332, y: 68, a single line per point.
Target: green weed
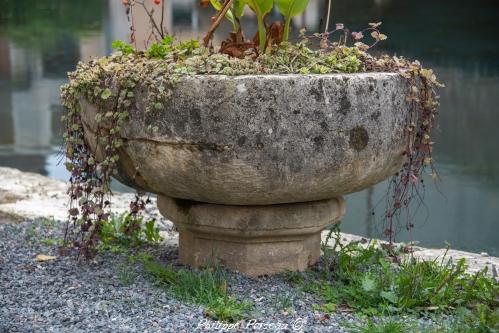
x: 294, y: 277
x: 388, y: 326
x: 373, y: 280
x: 205, y: 287
x: 479, y: 320
x: 285, y: 303
x: 125, y: 275
x: 120, y: 232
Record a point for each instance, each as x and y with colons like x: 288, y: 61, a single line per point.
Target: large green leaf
x: 216, y: 4
x: 260, y: 7
x: 238, y: 7
x: 290, y: 8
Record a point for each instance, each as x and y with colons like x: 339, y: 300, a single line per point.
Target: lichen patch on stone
x: 359, y: 138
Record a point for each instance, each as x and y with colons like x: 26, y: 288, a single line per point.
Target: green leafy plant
x: 167, y: 46
x: 290, y: 9
x: 128, y: 230
x: 123, y: 47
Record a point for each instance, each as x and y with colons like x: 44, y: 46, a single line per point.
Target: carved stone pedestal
x: 254, y: 240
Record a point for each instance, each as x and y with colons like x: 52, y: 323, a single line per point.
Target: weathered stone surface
x: 253, y: 240
x: 258, y: 140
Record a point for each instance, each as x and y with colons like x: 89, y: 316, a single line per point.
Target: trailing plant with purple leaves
x: 408, y: 184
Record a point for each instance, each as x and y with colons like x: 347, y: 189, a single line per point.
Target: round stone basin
x: 264, y: 139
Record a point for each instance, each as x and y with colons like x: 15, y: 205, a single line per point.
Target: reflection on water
x: 41, y: 40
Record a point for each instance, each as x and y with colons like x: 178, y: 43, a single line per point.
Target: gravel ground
x: 111, y: 295
x: 63, y: 295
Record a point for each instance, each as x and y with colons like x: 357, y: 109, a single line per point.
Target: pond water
x: 41, y: 40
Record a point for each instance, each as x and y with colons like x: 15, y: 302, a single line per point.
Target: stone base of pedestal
x: 254, y: 240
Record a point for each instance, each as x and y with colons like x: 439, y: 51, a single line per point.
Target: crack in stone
x: 184, y: 144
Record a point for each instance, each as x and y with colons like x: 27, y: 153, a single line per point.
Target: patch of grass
x: 285, y: 303
x: 207, y: 287
x: 294, y: 277
x: 388, y: 326
x: 40, y: 227
x: 125, y: 275
x: 479, y: 320
x: 374, y: 281
x: 326, y: 307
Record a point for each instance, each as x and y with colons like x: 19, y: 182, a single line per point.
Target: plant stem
x: 287, y: 23
x: 328, y: 15
x: 235, y: 25
x: 132, y: 27
x: 225, y: 8
x: 262, y: 33
x: 162, y: 19
x: 150, y: 14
